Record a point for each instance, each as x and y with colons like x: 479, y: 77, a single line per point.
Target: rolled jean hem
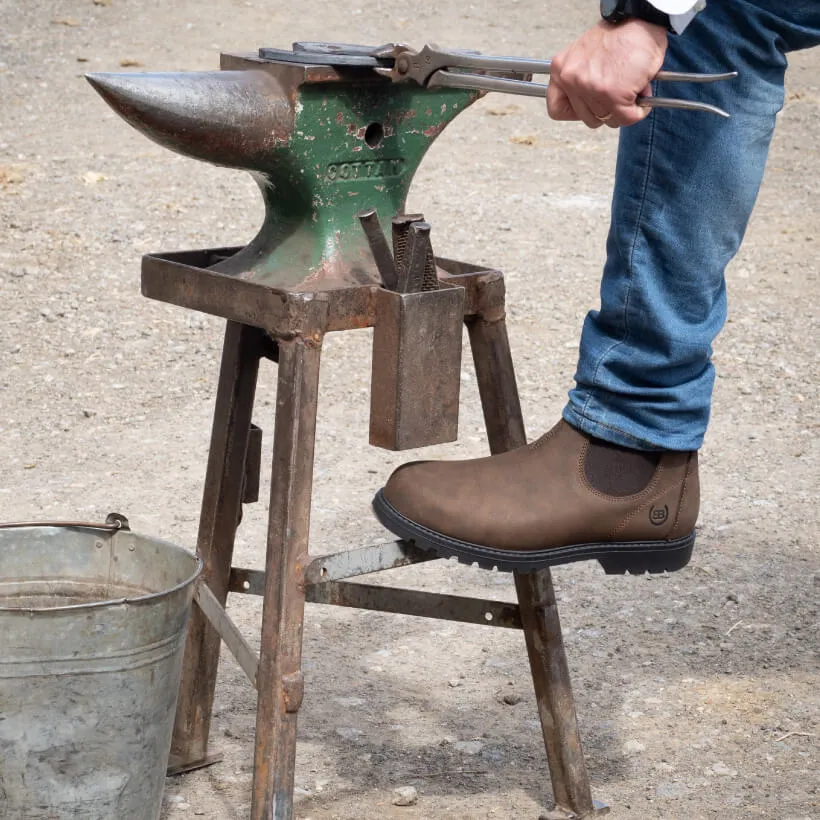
x: 615, y: 435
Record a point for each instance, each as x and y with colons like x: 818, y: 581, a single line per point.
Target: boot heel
x: 672, y: 556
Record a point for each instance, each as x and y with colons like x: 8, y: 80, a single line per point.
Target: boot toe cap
x: 408, y: 490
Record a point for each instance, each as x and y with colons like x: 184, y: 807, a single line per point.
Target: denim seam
x: 629, y: 265
x: 605, y: 426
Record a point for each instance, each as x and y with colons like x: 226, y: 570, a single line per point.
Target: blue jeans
x: 685, y: 186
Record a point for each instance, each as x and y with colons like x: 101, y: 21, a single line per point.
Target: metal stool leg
x: 280, y: 682
x: 553, y: 691
x: 221, y: 507
x: 536, y: 596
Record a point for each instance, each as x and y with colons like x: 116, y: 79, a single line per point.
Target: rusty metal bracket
x: 293, y: 691
x: 227, y: 629
x: 364, y: 560
x: 415, y: 602
x: 184, y: 278
x: 324, y: 585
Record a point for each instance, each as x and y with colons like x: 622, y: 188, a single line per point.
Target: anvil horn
x: 232, y: 118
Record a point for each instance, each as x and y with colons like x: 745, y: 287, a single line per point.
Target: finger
x: 629, y: 114
x: 626, y: 115
x: 558, y: 104
x: 582, y: 109
x: 566, y: 101
x: 608, y: 115
x: 622, y: 111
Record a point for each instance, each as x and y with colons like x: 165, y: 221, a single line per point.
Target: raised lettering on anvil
x: 365, y: 169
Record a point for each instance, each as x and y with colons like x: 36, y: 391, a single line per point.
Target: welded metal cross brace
x: 324, y: 586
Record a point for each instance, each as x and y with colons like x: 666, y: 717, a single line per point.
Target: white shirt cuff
x: 681, y: 12
x: 677, y: 6
x: 679, y: 22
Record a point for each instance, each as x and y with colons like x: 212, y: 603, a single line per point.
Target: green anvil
x: 323, y: 143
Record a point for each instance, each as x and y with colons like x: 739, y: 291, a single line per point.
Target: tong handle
x: 430, y: 67
x: 505, y: 85
x: 421, y: 65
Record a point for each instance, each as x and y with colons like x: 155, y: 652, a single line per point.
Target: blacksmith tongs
x: 432, y: 67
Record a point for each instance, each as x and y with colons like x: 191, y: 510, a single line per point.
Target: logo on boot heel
x: 658, y: 515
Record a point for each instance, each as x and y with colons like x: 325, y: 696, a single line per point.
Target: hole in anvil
x: 373, y: 134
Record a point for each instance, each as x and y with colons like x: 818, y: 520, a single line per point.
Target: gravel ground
x: 697, y: 693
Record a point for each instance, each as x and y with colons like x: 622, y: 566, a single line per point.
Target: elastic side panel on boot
x: 616, y: 470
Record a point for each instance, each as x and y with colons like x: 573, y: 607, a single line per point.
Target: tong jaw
x: 409, y: 64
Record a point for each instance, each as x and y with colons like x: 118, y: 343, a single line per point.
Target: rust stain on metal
x: 293, y: 691
x: 409, y: 114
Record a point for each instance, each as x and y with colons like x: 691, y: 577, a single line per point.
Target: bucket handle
x: 113, y: 522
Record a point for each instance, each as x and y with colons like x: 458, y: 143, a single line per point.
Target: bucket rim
x: 108, y: 602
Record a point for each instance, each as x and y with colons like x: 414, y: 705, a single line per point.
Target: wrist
x: 657, y: 32
x: 615, y: 12
x: 633, y: 26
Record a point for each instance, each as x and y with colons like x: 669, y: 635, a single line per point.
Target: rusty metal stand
x: 289, y: 328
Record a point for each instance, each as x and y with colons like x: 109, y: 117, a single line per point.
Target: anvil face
x: 323, y: 144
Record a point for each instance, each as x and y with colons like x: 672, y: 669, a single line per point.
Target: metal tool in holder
x: 326, y: 137
x: 416, y: 376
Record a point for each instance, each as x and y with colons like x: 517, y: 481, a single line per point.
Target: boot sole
x: 616, y: 557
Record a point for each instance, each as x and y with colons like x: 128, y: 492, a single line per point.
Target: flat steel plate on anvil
x: 323, y: 140
x: 337, y: 55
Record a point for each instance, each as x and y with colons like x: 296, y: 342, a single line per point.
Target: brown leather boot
x: 566, y: 497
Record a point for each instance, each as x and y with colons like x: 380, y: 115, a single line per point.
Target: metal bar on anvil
x: 414, y: 602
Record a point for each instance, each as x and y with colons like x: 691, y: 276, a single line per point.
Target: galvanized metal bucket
x: 92, y: 631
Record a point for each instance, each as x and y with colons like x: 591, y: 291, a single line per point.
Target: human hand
x: 598, y: 78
